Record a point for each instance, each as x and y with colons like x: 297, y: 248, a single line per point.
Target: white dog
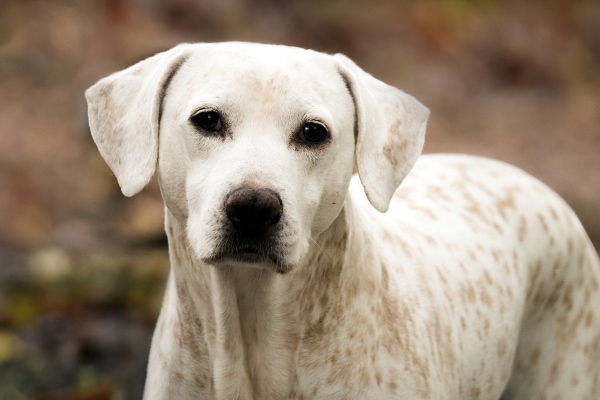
x: 479, y: 283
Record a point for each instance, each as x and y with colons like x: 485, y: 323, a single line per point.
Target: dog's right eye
x: 313, y: 133
x: 208, y: 121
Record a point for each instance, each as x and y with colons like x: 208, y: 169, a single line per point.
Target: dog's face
x: 255, y: 152
x: 255, y: 143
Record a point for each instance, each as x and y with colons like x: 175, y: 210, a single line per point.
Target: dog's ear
x: 390, y: 127
x: 124, y: 113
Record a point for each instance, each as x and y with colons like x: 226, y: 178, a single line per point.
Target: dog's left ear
x: 124, y: 112
x: 390, y: 132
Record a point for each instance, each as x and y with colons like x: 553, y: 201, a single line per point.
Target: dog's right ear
x: 124, y: 114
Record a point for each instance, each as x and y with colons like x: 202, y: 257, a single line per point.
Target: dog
x: 288, y: 278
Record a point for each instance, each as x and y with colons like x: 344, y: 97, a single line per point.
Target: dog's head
x: 254, y: 144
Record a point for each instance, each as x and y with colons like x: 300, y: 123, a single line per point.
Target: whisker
x: 317, y: 244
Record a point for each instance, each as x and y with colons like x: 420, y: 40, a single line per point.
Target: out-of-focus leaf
x: 8, y: 346
x: 24, y: 307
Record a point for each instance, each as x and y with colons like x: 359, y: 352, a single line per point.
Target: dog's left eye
x: 209, y: 121
x: 313, y: 133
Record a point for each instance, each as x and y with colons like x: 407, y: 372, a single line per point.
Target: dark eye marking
x: 313, y: 133
x: 208, y: 122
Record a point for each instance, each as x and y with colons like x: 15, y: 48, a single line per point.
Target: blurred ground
x: 82, y: 268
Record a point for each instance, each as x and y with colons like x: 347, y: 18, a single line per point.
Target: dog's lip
x: 248, y: 256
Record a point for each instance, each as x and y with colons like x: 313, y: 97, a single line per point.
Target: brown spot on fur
x: 385, y: 278
x: 543, y: 223
x: 394, y: 149
x: 388, y: 153
x: 378, y: 378
x: 501, y: 348
x: 535, y: 356
x: 554, y: 371
x: 497, y: 227
x: 392, y: 385
x: 569, y: 246
x: 472, y: 255
x: 535, y: 272
x: 505, y: 204
x: 589, y: 319
x: 431, y: 241
x: 430, y: 214
x: 522, y: 230
x: 487, y: 277
x: 485, y: 298
x: 496, y: 254
x: 575, y: 381
x: 469, y: 293
x: 553, y: 213
x: 178, y: 377
x: 441, y: 276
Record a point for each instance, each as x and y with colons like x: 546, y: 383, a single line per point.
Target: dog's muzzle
x: 252, y: 227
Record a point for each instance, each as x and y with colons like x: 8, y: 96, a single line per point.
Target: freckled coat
x: 478, y: 283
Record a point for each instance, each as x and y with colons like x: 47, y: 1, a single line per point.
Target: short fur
x: 478, y: 283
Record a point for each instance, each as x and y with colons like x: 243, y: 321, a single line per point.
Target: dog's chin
x: 248, y: 258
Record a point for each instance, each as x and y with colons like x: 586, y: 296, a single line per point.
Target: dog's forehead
x: 251, y: 55
x: 246, y: 80
x: 258, y: 67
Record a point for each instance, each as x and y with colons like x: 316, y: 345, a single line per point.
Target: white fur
x: 478, y: 283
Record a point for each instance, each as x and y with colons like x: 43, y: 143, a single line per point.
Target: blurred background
x: 82, y: 268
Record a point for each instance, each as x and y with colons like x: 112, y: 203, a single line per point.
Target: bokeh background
x: 82, y: 268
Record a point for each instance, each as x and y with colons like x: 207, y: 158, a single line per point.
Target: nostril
x: 251, y: 209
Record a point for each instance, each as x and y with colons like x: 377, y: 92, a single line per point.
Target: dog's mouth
x: 258, y: 249
x: 249, y: 256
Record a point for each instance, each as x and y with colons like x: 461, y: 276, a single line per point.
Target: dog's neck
x: 253, y: 320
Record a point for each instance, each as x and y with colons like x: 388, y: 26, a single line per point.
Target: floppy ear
x: 124, y: 113
x: 390, y: 128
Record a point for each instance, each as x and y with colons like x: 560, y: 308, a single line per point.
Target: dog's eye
x: 313, y: 133
x: 209, y: 121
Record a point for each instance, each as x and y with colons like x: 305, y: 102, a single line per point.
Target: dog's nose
x: 253, y: 210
